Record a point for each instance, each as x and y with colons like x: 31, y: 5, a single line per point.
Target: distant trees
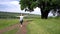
x: 44, y: 5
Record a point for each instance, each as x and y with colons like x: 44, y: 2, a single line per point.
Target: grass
x: 35, y: 25
x: 11, y: 32
x: 43, y: 26
x: 7, y: 22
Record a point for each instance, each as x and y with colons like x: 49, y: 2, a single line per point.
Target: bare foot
x: 21, y: 25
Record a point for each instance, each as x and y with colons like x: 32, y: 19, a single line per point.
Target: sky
x: 13, y: 6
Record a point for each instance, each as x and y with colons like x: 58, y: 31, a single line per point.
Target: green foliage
x: 8, y: 15
x: 35, y: 3
x: 45, y: 5
x: 30, y: 4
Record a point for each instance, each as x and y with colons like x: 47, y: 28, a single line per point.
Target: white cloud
x: 13, y: 6
x: 36, y: 11
x: 14, y: 2
x: 8, y: 0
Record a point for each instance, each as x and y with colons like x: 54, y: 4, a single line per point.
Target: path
x: 21, y: 30
x: 8, y: 28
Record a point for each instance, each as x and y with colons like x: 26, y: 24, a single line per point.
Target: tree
x: 44, y: 5
x: 58, y: 12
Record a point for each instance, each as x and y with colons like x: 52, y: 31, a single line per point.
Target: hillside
x: 13, y: 15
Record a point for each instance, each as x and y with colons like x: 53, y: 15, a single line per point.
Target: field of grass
x: 43, y: 26
x: 7, y: 22
x: 11, y: 32
x: 35, y: 26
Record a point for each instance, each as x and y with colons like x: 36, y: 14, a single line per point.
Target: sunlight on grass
x: 43, y: 26
x: 7, y: 22
x: 11, y: 32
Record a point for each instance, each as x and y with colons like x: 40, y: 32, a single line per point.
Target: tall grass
x: 44, y: 26
x: 7, y: 22
x: 11, y: 32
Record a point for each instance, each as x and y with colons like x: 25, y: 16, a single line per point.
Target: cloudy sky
x: 13, y: 6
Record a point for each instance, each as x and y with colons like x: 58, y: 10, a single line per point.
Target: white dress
x: 21, y: 18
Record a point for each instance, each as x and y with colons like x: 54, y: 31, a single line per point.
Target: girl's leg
x: 21, y: 22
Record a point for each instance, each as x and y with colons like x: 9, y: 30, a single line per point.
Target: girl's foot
x: 21, y: 25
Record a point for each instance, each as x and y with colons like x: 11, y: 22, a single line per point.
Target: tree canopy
x: 45, y: 5
x: 30, y: 4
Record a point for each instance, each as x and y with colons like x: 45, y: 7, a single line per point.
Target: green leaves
x: 30, y: 4
x: 23, y: 4
x: 33, y: 5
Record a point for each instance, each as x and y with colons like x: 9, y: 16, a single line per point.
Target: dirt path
x: 9, y: 28
x: 21, y: 30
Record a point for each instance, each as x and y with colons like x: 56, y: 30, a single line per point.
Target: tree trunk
x: 58, y: 13
x: 44, y: 14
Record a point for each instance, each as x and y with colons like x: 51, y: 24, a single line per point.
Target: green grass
x: 43, y: 26
x: 11, y: 32
x: 35, y: 25
x: 7, y: 22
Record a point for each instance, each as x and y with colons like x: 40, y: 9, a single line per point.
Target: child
x: 21, y: 19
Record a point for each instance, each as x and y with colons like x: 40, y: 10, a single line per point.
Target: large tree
x: 44, y: 5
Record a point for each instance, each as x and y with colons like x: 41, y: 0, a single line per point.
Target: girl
x: 21, y: 19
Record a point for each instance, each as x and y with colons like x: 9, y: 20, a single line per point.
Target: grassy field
x: 35, y: 26
x: 11, y: 32
x: 7, y: 22
x: 43, y: 26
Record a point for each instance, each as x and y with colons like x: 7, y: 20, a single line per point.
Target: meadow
x: 11, y: 32
x: 7, y: 22
x: 36, y: 25
x: 44, y: 26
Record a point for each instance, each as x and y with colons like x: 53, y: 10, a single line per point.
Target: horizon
x: 13, y: 6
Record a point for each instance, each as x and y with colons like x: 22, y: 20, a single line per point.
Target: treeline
x: 7, y: 15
